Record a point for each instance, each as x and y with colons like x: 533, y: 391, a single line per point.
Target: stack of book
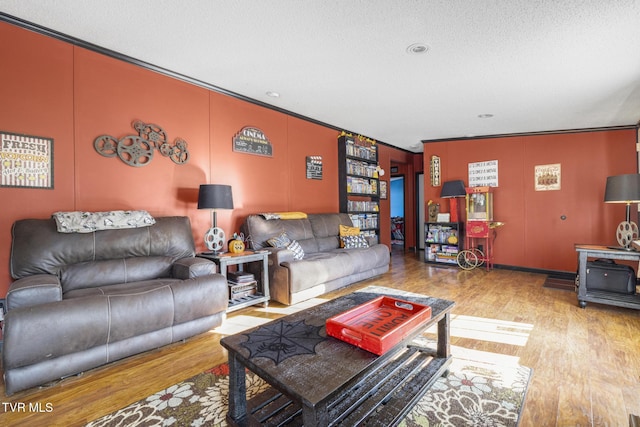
x: 241, y: 284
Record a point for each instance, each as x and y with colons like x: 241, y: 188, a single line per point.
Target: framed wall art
x: 547, y: 177
x: 314, y: 167
x: 26, y: 161
x: 383, y: 190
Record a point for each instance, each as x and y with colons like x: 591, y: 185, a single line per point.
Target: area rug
x: 475, y: 393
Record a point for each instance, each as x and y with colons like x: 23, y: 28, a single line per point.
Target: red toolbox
x: 379, y: 324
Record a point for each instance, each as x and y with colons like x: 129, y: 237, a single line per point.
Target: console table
x: 318, y: 380
x: 603, y: 297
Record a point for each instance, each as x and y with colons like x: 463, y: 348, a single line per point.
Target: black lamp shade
x: 623, y: 189
x: 215, y: 196
x: 453, y: 189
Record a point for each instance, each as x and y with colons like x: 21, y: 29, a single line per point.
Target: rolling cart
x: 480, y: 229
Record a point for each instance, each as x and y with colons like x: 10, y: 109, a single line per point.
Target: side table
x: 603, y: 297
x: 224, y: 260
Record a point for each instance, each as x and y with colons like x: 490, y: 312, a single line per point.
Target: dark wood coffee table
x: 319, y: 381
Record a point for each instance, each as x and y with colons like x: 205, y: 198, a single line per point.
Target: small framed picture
x: 547, y: 177
x: 383, y: 189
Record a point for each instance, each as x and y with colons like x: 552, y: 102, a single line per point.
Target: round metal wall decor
x: 138, y: 150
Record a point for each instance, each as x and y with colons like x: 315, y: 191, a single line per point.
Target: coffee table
x: 317, y: 380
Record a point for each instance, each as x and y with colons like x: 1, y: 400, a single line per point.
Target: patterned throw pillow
x: 352, y: 242
x: 298, y: 252
x: 279, y: 241
x: 346, y: 230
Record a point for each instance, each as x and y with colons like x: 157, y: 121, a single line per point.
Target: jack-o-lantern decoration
x: 236, y: 246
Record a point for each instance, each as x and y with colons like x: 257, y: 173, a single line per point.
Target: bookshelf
x: 359, y: 183
x: 443, y: 241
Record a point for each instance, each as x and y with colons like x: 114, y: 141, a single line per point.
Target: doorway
x: 396, y: 199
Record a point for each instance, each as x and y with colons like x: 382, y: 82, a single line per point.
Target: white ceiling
x: 535, y: 65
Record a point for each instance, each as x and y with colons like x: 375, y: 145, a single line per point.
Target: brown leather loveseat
x: 81, y: 300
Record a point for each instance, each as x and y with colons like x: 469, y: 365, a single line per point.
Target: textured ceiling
x: 535, y: 65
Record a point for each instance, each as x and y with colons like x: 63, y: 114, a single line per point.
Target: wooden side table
x: 226, y: 259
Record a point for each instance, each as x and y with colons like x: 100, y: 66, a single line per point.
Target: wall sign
x: 434, y: 166
x: 547, y: 177
x: 483, y: 174
x: 252, y: 140
x: 26, y: 161
x: 314, y: 167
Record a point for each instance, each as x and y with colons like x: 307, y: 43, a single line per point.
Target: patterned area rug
x: 475, y: 393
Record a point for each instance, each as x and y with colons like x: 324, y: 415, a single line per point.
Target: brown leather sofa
x: 324, y: 267
x: 81, y: 300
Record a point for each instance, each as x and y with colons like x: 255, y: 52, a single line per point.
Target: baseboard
x: 556, y: 274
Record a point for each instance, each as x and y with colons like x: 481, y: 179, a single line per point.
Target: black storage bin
x: 606, y: 275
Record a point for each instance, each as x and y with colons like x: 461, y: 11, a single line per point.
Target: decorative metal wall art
x: 138, y: 150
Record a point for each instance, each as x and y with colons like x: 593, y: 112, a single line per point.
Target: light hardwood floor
x: 585, y: 361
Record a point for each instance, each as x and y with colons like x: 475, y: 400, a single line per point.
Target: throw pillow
x: 298, y: 252
x: 279, y: 241
x: 346, y: 230
x: 352, y: 242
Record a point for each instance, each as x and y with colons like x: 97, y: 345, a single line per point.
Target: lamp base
x: 453, y: 208
x: 626, y: 233
x: 214, y: 239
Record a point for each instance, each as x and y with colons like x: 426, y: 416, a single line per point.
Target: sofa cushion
x: 37, y: 247
x: 318, y: 268
x: 261, y: 230
x: 69, y: 327
x: 326, y: 228
x: 364, y: 259
x: 138, y: 313
x: 325, y: 225
x: 111, y: 272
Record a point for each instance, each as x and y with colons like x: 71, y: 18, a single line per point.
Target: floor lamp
x: 624, y: 189
x: 451, y: 190
x: 214, y: 196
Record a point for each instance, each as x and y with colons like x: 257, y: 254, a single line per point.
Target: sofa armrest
x: 279, y: 255
x: 34, y: 290
x: 188, y: 268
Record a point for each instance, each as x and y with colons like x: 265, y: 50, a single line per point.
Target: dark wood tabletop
x: 318, y: 371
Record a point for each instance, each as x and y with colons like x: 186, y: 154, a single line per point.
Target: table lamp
x: 451, y: 190
x: 214, y: 196
x: 624, y: 189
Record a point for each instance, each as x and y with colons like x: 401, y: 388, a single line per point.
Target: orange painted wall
x: 278, y: 183
x: 53, y: 89
x: 535, y: 236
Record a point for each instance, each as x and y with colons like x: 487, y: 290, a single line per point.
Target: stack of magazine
x: 241, y: 284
